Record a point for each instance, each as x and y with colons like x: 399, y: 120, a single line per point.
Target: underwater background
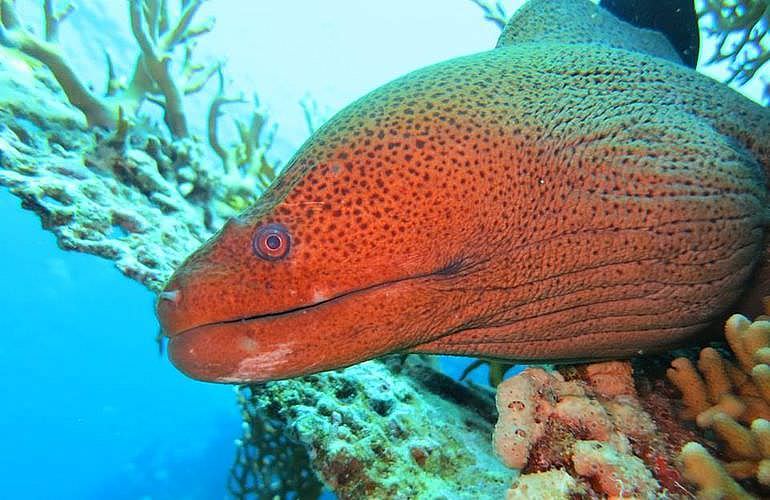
x: 90, y: 408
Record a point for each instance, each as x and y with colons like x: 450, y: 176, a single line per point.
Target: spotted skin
x: 533, y: 202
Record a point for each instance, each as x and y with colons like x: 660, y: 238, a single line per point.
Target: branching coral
x: 732, y: 401
x: 497, y: 13
x: 740, y: 27
x: 704, y: 470
x: 153, y: 77
x: 247, y: 173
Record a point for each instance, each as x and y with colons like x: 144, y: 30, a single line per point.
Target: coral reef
x: 126, y: 204
x: 603, y: 429
x: 160, y: 39
x: 133, y: 194
x: 739, y: 27
x: 384, y: 428
x: 390, y: 429
x: 266, y: 461
x: 732, y: 401
x: 590, y: 424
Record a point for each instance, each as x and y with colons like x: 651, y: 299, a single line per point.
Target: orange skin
x: 524, y: 203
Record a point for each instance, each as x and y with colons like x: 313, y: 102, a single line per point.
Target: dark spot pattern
x: 537, y: 201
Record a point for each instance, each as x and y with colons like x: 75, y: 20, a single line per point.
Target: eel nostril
x: 170, y: 295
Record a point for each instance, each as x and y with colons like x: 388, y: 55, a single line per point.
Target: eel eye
x: 271, y: 242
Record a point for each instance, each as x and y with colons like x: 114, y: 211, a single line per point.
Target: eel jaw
x: 228, y: 354
x: 331, y: 333
x: 250, y: 349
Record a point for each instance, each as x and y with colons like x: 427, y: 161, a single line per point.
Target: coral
x: 740, y: 27
x: 124, y: 205
x: 393, y: 429
x: 611, y: 429
x: 496, y: 13
x: 159, y: 38
x: 703, y: 469
x: 732, y: 401
x: 247, y: 173
x: 133, y: 196
x: 588, y: 422
x: 264, y: 450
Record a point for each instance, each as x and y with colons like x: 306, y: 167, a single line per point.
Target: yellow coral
x: 733, y: 401
x: 703, y: 469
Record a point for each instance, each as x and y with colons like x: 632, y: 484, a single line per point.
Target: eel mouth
x: 327, y: 333
x: 269, y: 315
x: 293, y: 311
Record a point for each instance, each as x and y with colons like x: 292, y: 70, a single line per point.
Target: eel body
x: 575, y: 193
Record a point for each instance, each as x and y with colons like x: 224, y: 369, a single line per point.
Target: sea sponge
x: 732, y: 401
x: 554, y: 484
x: 616, y: 473
x: 586, y: 424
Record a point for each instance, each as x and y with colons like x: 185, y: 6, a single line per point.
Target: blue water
x: 89, y: 408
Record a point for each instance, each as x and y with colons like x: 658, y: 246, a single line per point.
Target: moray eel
x: 576, y: 193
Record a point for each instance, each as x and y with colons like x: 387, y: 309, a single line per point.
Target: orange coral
x: 732, y: 401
